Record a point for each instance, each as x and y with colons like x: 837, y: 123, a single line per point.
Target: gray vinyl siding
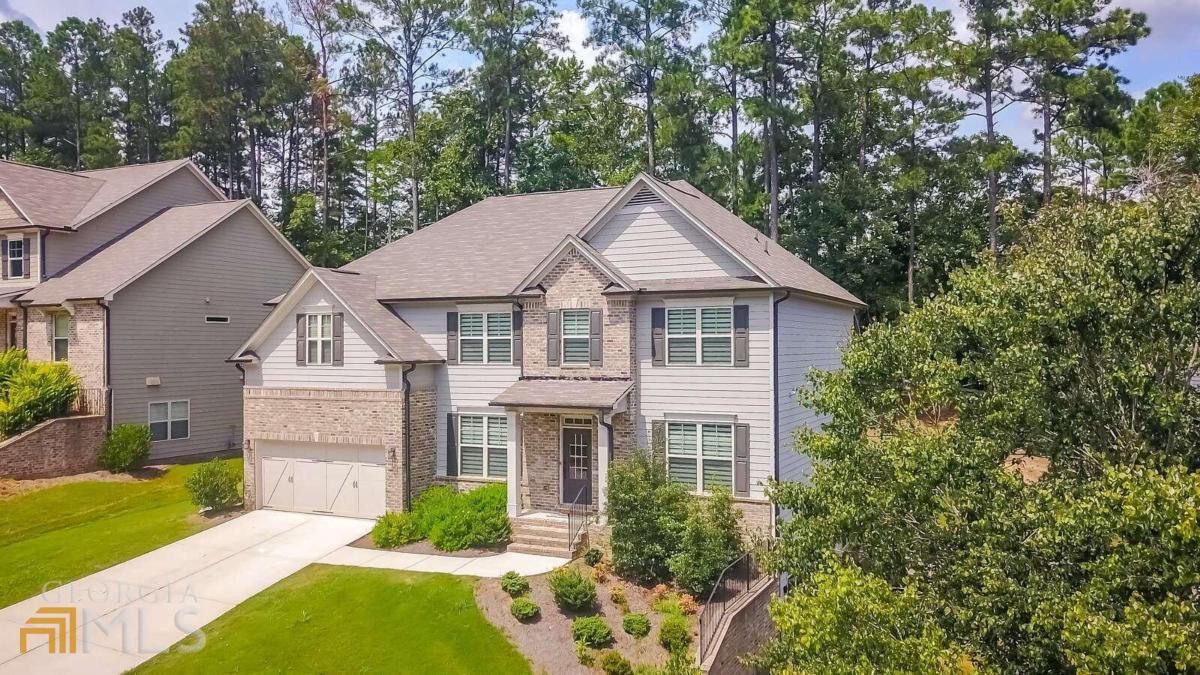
x: 35, y: 259
x: 811, y: 336
x: 181, y: 187
x: 157, y: 328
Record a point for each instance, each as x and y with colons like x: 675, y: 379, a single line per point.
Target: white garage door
x: 345, y: 480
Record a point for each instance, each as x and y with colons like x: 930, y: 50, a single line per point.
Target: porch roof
x: 601, y: 394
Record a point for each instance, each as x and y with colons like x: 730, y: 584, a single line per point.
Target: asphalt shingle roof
x: 601, y: 394
x: 358, y: 291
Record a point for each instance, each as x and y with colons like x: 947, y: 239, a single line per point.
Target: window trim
x: 18, y: 259
x: 486, y: 338
x: 698, y: 487
x: 309, y: 339
x: 55, y: 337
x: 170, y: 419
x: 563, y: 337
x: 699, y: 335
x: 486, y: 475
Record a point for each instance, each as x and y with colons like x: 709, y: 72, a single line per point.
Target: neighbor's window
x: 319, y: 339
x: 483, y: 446
x: 62, y: 327
x: 16, y: 258
x: 169, y: 420
x: 576, y: 335
x: 704, y: 334
x: 700, y: 455
x: 485, y: 337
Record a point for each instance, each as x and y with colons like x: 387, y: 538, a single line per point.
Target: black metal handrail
x: 734, y: 582
x: 577, y: 517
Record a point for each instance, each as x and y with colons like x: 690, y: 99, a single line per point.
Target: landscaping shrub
x: 453, y: 521
x: 591, y: 631
x: 36, y: 392
x: 593, y: 556
x: 711, y: 541
x: 675, y: 633
x: 612, y: 663
x: 514, y: 584
x: 433, y: 506
x: 585, y: 655
x: 524, y: 609
x: 600, y: 572
x: 637, y: 625
x: 126, y: 447
x: 617, y: 595
x: 688, y: 605
x: 213, y: 485
x: 395, y: 529
x: 488, y: 509
x: 647, y: 512
x: 572, y: 591
x: 11, y: 360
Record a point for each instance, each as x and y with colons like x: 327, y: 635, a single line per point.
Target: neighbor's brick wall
x: 57, y: 447
x: 85, y: 350
x: 747, y: 630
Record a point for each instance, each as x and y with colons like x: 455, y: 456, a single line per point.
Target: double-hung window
x: 576, y: 336
x: 169, y: 420
x: 319, y: 339
x: 16, y: 258
x: 62, y: 340
x: 483, y: 446
x: 700, y: 455
x: 700, y: 335
x: 485, y: 337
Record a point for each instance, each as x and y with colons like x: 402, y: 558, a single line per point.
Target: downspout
x: 775, y: 388
x: 406, y: 440
x: 108, y: 412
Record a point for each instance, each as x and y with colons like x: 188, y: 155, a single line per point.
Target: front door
x: 577, y: 465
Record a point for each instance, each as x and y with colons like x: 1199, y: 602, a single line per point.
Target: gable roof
x: 585, y: 249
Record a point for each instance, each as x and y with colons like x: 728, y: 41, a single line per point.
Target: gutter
x: 775, y: 389
x: 406, y: 441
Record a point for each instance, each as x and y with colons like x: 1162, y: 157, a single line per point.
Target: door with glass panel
x: 577, y: 461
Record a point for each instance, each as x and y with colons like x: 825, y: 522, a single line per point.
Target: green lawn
x: 69, y: 531
x: 330, y: 619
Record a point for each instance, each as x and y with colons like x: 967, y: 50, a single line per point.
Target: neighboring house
x: 531, y: 339
x: 142, y: 278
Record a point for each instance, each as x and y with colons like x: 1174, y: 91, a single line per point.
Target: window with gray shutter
x: 552, y: 337
x: 576, y: 336
x: 301, y: 354
x: 339, y: 340
x: 658, y: 335
x: 451, y: 445
x: 741, y: 336
x: 741, y: 460
x: 597, y: 339
x: 518, y: 336
x: 451, y: 338
x: 25, y: 257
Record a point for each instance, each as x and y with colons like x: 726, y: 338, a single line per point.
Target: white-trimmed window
x: 16, y: 258
x: 485, y: 337
x: 700, y: 454
x: 170, y: 420
x: 483, y: 446
x: 62, y: 339
x: 700, y: 335
x: 319, y: 339
x: 576, y: 336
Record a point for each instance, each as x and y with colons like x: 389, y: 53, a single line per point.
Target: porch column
x: 603, y: 450
x: 514, y: 463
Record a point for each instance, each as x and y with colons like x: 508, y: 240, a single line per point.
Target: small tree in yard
x: 647, y: 512
x: 711, y: 541
x: 213, y: 485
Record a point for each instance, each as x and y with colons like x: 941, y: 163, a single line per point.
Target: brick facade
x: 57, y: 447
x: 85, y: 350
x: 746, y: 628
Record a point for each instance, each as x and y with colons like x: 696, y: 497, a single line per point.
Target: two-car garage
x: 341, y: 479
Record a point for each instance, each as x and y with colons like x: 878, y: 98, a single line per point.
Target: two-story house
x: 142, y: 278
x: 533, y: 339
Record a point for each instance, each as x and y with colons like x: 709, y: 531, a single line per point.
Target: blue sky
x: 1171, y: 51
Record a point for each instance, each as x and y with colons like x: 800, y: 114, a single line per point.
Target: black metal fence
x: 578, y: 514
x: 734, y: 582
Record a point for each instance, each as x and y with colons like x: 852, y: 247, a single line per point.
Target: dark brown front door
x: 577, y: 465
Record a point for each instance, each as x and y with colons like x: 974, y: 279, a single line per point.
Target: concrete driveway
x: 126, y: 614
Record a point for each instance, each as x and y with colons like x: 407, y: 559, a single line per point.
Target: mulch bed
x: 423, y: 547
x: 547, y: 641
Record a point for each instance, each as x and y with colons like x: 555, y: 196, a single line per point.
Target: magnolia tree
x: 1011, y: 477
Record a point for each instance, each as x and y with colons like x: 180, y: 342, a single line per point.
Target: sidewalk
x: 487, y: 566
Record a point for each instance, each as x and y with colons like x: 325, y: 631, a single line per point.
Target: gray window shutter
x: 658, y: 440
x: 4, y: 258
x: 451, y: 444
x: 596, y: 343
x: 451, y: 338
x: 25, y: 257
x: 552, y: 337
x: 741, y: 460
x: 339, y: 341
x: 658, y: 335
x: 518, y: 330
x: 301, y: 333
x: 741, y: 335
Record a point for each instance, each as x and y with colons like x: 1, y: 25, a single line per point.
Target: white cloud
x: 572, y: 25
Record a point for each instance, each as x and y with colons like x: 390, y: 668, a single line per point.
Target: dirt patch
x: 547, y: 642
x: 423, y: 547
x: 12, y: 488
x: 207, y: 520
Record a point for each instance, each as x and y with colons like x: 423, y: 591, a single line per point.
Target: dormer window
x: 16, y: 258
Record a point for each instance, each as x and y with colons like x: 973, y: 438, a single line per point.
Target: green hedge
x: 451, y: 520
x: 33, y: 391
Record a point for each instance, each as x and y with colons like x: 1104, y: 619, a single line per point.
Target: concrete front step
x: 557, y: 540
x: 539, y: 530
x: 557, y: 551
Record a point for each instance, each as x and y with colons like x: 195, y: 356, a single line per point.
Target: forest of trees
x: 842, y: 128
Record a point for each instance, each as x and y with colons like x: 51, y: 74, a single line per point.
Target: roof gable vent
x: 644, y: 197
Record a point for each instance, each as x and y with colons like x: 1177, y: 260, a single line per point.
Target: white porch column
x: 514, y: 463
x: 603, y: 450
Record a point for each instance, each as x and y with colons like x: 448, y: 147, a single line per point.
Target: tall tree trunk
x: 410, y: 111
x: 735, y: 159
x: 772, y: 149
x: 651, y: 163
x: 989, y: 116
x: 1047, y: 152
x: 818, y: 152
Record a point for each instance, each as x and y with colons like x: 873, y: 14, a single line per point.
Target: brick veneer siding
x: 85, y: 339
x: 332, y: 416
x: 747, y: 628
x: 57, y: 447
x: 757, y: 518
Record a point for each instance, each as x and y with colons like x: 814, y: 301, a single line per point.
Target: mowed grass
x: 331, y: 619
x: 62, y: 533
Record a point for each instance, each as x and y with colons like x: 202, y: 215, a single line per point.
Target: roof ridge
x: 554, y: 192
x: 130, y: 166
x: 64, y: 172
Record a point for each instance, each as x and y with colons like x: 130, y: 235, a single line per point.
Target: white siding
x: 358, y: 371
x: 714, y: 390
x: 35, y: 259
x: 811, y: 335
x: 653, y: 241
x: 460, y: 387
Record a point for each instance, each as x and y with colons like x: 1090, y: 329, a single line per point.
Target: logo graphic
x: 56, y: 624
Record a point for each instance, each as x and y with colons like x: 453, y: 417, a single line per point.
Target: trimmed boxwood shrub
x: 612, y: 663
x: 675, y: 633
x: 572, y: 591
x: 591, y: 631
x: 213, y: 485
x: 126, y: 447
x: 395, y: 529
x: 637, y: 625
x: 514, y: 584
x: 524, y: 609
x: 593, y: 556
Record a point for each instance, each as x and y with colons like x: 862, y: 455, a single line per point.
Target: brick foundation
x: 746, y: 629
x: 57, y: 447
